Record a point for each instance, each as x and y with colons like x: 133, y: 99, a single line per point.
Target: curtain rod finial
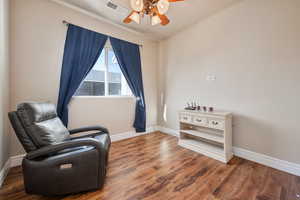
x: 65, y: 22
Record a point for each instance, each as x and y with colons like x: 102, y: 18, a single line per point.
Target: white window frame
x: 106, y: 48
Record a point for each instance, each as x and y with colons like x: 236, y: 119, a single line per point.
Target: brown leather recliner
x: 57, y: 163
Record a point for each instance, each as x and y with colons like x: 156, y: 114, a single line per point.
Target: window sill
x: 103, y: 97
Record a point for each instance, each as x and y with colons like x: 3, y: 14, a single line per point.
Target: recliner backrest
x: 23, y: 137
x: 41, y: 124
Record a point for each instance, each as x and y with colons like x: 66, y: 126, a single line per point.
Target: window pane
x: 99, y: 88
x: 100, y: 64
x: 91, y: 88
x: 98, y: 71
x: 114, y: 72
x: 106, y: 73
x: 113, y: 65
x: 94, y: 85
x: 117, y: 84
x: 114, y: 88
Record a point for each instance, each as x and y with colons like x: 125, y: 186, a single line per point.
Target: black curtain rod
x: 67, y: 24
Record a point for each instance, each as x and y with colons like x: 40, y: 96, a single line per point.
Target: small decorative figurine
x: 190, y: 106
x: 193, y: 105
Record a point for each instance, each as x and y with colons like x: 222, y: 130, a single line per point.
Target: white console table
x: 208, y: 133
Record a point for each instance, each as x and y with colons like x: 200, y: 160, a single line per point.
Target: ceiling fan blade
x: 127, y: 20
x: 174, y: 0
x: 164, y: 20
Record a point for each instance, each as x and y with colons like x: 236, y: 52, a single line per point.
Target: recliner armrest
x: 89, y: 128
x: 44, y: 151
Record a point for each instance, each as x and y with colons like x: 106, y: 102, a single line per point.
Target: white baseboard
x: 17, y: 160
x: 131, y: 134
x: 4, y: 172
x: 269, y: 161
x: 168, y: 131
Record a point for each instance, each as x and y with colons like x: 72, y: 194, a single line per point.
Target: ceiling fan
x: 156, y: 9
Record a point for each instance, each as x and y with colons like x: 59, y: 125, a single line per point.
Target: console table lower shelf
x: 204, y: 148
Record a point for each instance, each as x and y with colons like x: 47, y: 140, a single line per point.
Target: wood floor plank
x: 294, y: 191
x: 154, y: 167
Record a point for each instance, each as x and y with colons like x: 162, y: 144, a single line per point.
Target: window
x: 105, y: 78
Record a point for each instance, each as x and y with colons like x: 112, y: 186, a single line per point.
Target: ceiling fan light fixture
x: 155, y: 20
x: 163, y: 6
x: 137, y: 5
x: 156, y: 9
x: 135, y: 17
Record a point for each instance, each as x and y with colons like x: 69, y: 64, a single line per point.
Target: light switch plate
x: 210, y: 77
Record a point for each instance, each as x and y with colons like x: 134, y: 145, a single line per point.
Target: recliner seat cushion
x: 42, y: 124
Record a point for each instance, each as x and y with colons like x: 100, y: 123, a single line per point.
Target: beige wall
x: 253, y: 50
x: 4, y: 82
x: 37, y: 48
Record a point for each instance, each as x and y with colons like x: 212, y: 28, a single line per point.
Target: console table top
x: 220, y: 113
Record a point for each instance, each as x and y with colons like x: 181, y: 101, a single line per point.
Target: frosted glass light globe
x: 135, y: 17
x: 155, y: 20
x: 137, y: 5
x: 163, y: 6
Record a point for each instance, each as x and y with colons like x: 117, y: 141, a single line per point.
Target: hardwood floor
x: 155, y: 167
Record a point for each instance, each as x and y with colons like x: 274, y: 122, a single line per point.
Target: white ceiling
x: 181, y: 14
